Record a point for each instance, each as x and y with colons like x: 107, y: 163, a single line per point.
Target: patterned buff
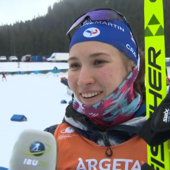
x: 116, y: 108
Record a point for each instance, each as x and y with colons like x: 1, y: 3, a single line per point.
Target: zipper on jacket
x: 108, y: 151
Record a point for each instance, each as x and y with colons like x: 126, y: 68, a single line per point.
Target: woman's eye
x: 98, y: 62
x: 74, y: 65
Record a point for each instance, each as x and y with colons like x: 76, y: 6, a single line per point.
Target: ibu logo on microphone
x: 37, y: 149
x: 33, y: 162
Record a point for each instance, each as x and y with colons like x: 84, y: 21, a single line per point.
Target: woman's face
x: 95, y: 70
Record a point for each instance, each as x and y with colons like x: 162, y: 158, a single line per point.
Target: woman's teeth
x: 88, y: 95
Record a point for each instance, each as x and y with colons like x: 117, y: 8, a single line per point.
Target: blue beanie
x: 113, y: 32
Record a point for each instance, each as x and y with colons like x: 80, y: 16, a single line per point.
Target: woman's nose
x: 85, y: 77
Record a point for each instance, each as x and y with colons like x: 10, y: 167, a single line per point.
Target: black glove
x: 146, y: 167
x: 157, y: 127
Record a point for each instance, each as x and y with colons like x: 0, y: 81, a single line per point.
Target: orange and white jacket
x: 78, y: 153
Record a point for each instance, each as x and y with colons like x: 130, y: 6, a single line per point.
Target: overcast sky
x: 21, y: 10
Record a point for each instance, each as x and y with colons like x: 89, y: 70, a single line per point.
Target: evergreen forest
x: 46, y: 34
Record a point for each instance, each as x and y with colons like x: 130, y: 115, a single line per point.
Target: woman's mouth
x: 90, y: 95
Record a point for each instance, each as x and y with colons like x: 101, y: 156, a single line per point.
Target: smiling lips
x: 89, y: 95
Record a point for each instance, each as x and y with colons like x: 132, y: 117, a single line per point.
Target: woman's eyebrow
x: 91, y: 56
x: 72, y: 58
x: 97, y: 54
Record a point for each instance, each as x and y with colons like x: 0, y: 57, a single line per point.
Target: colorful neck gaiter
x: 116, y: 108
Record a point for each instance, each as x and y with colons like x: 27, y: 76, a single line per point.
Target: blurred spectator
x: 3, y: 76
x: 167, y: 78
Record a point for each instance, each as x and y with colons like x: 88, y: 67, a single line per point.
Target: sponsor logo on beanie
x: 91, y: 32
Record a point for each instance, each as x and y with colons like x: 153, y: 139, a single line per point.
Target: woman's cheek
x: 105, y: 73
x: 71, y: 78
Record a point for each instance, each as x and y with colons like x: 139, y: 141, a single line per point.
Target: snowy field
x: 37, y: 97
x: 25, y: 66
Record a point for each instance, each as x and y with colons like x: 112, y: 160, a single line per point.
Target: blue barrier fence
x: 36, y: 72
x: 167, y: 64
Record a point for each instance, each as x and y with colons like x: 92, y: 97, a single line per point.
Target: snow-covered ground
x: 29, y: 66
x: 37, y: 97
